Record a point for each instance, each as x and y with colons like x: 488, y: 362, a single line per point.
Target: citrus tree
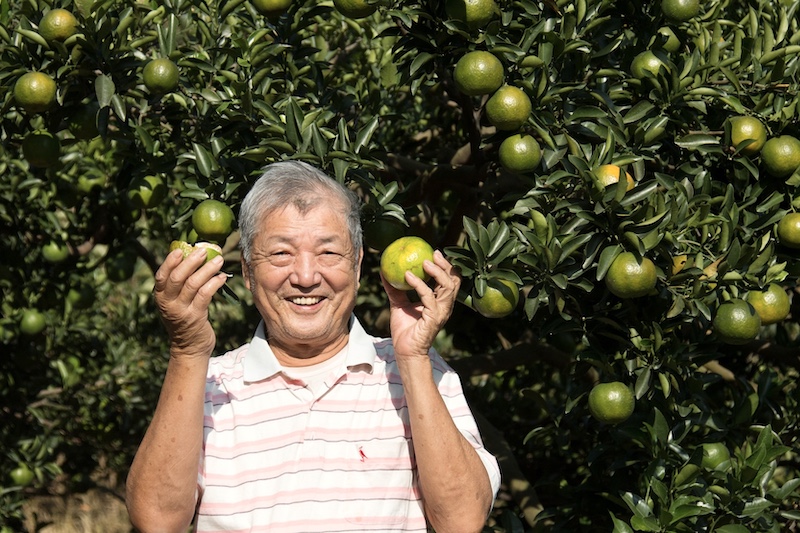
x: 617, y: 181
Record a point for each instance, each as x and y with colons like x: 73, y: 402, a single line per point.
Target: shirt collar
x: 261, y: 363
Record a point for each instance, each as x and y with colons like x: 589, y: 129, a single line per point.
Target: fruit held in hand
x: 406, y: 253
x: 212, y: 250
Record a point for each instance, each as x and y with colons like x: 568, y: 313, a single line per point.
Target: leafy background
x: 372, y: 101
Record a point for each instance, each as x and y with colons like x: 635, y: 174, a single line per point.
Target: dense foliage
x: 374, y: 103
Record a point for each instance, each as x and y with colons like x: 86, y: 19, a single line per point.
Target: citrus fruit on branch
x: 355, y: 9
x: 627, y: 277
x: 610, y: 174
x: 499, y: 299
x: 789, y: 230
x: 41, y: 149
x: 714, y: 454
x: 772, y: 304
x: 478, y: 72
x: 611, y: 403
x: 272, y: 9
x: 508, y: 108
x: 161, y: 75
x: 213, y: 221
x: 781, y: 156
x: 519, y: 153
x: 58, y: 25
x: 748, y: 129
x: 35, y: 92
x: 736, y: 322
x: 32, y: 322
x: 404, y: 254
x: 474, y: 13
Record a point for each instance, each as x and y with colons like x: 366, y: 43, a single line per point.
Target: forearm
x: 162, y: 483
x: 455, y: 487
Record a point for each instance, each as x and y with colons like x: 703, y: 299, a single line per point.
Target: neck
x: 306, y: 354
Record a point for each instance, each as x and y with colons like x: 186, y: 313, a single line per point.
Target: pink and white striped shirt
x: 283, y: 457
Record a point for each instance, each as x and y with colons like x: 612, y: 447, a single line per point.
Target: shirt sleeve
x: 449, y: 385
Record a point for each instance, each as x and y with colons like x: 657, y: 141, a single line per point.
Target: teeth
x: 306, y: 300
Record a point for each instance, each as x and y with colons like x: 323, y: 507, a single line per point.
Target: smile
x: 306, y: 300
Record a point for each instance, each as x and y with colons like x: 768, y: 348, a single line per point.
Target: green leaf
x: 756, y: 506
x: 365, y: 134
x: 105, y: 90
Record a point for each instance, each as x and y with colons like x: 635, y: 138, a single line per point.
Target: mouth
x: 305, y: 300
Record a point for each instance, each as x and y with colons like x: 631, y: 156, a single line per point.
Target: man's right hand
x: 183, y: 292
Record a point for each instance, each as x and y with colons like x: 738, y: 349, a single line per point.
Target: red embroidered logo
x: 362, y: 454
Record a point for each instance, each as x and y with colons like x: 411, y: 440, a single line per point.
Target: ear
x: 358, y: 265
x: 245, y: 273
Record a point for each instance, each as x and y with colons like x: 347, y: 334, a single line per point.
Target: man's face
x: 304, y: 275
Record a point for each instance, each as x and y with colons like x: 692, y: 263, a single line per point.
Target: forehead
x: 324, y: 220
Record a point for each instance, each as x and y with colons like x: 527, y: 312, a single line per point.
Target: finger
x: 207, y: 291
x: 396, y: 296
x: 199, y: 277
x: 163, y: 273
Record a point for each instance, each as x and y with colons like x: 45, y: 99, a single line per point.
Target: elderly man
x: 314, y: 425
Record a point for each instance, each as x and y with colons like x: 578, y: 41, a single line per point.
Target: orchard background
x: 372, y: 100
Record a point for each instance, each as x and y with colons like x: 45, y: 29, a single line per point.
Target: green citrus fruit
x: 145, y: 192
x: 32, y: 322
x: 55, y: 251
x: 83, y: 123
x: 520, y: 153
x: 680, y: 10
x: 714, y: 454
x: 627, y: 277
x: 406, y: 253
x: 382, y: 232
x: 611, y: 403
x: 212, y: 250
x: 789, y: 230
x: 647, y: 64
x: 772, y: 304
x: 58, y: 25
x: 508, y: 108
x: 609, y: 174
x: 161, y: 75
x: 21, y: 476
x: 41, y: 149
x: 748, y: 129
x: 478, y: 73
x: 476, y: 14
x: 669, y: 41
x: 736, y: 322
x: 781, y: 156
x: 499, y: 299
x: 272, y: 9
x: 35, y: 92
x: 81, y: 296
x: 355, y: 9
x: 213, y: 221
x: 89, y: 181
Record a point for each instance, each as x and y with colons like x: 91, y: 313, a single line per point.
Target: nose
x: 305, y: 272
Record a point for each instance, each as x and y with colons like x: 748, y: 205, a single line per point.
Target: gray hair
x: 298, y: 184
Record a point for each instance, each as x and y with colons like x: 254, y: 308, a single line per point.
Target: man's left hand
x: 414, y: 325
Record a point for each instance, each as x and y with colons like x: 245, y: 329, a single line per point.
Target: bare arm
x: 456, y: 491
x: 162, y: 482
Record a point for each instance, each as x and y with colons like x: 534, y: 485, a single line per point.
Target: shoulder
x: 385, y: 352
x: 228, y: 365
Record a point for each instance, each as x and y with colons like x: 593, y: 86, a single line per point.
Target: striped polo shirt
x: 283, y: 457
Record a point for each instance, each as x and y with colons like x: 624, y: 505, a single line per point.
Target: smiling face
x: 303, y: 275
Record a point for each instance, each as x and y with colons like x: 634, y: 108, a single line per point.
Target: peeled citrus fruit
x: 212, y: 250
